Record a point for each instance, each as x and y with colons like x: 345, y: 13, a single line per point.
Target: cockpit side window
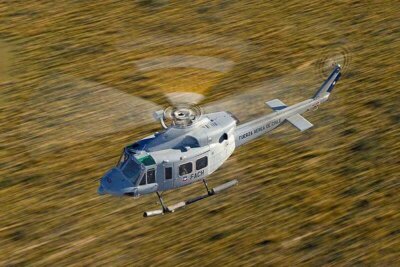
x: 143, y: 181
x: 151, y: 176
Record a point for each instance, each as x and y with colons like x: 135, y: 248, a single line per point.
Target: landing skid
x: 182, y: 204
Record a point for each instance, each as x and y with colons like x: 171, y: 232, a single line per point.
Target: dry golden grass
x: 329, y: 196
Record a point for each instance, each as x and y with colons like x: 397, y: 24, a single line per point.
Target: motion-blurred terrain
x: 329, y: 196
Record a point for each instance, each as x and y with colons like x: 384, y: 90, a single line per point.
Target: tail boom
x: 253, y: 129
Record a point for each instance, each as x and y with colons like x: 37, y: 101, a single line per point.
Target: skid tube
x: 182, y: 204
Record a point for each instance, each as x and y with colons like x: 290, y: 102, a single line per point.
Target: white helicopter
x: 194, y: 145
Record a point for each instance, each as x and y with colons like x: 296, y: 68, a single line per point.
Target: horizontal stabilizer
x: 276, y: 104
x: 300, y: 122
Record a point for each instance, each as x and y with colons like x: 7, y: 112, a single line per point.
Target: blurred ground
x: 329, y: 196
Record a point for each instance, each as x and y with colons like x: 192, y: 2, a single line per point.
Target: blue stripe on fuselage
x: 334, y: 82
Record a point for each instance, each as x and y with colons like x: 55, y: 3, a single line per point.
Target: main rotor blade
x: 71, y: 109
x: 184, y: 78
x: 184, y: 97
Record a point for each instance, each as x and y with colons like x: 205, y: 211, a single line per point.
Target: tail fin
x: 328, y: 85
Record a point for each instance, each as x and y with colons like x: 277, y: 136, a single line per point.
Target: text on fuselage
x: 260, y: 129
x: 193, y: 176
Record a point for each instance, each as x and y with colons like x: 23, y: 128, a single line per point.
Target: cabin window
x: 201, y: 163
x: 223, y: 138
x: 168, y: 173
x: 185, y: 168
x: 151, y: 176
x: 143, y: 181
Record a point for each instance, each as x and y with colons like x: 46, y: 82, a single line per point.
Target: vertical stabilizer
x: 327, y: 87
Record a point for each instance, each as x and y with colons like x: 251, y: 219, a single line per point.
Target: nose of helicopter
x: 115, y: 183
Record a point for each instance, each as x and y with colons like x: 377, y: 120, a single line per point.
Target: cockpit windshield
x: 130, y: 167
x: 124, y: 156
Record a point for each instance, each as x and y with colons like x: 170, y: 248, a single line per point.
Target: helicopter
x: 193, y: 145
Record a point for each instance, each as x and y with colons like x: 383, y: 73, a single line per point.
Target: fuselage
x: 181, y: 156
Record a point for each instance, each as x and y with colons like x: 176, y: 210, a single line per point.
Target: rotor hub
x: 183, y: 115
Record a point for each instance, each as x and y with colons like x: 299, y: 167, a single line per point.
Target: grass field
x: 329, y: 196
